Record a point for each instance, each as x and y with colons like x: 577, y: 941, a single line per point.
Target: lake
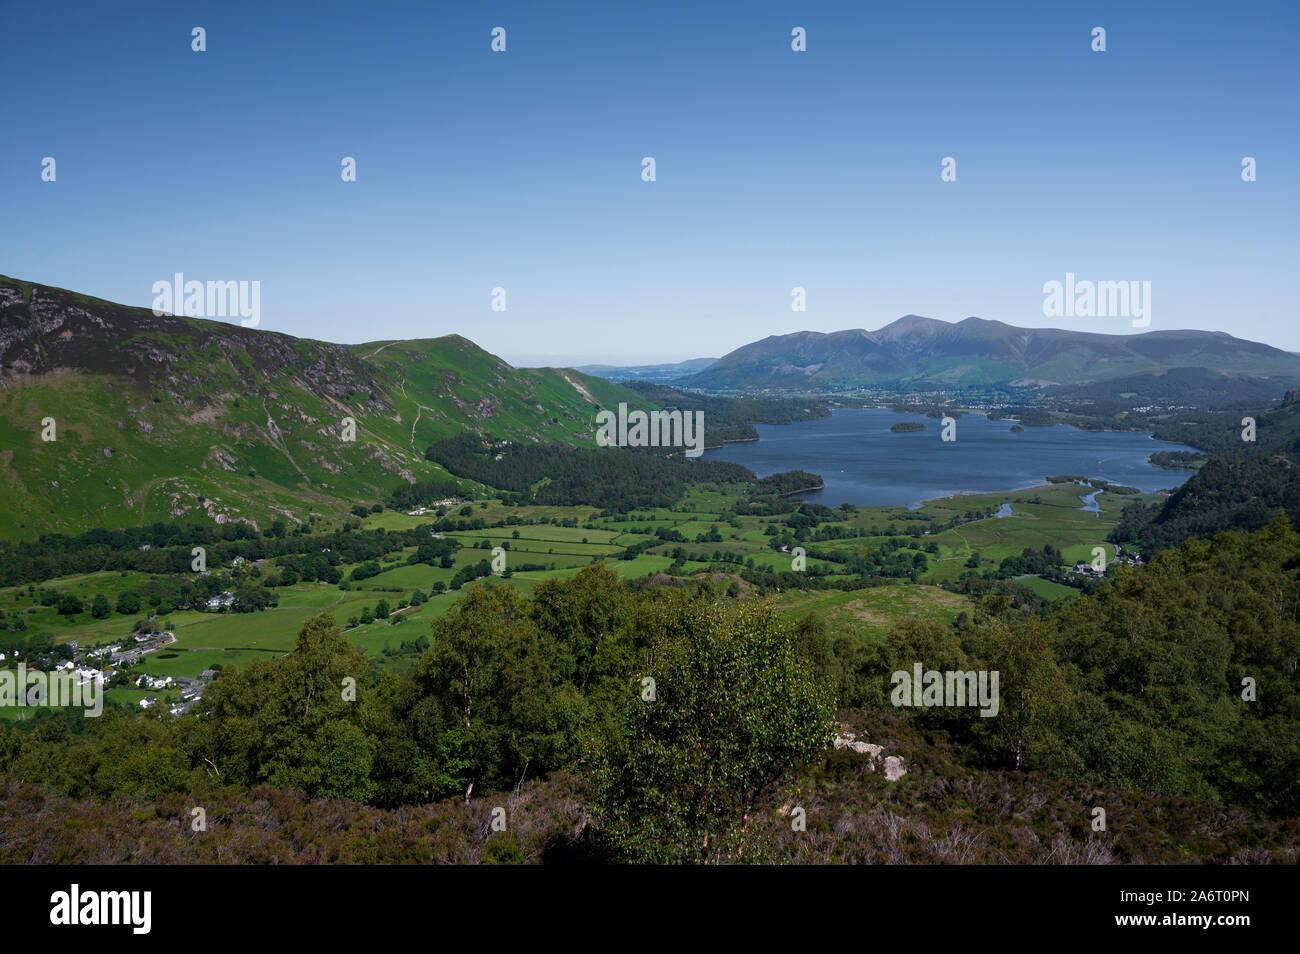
x: 866, y: 464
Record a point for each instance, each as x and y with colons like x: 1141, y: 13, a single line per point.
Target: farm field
x: 577, y: 537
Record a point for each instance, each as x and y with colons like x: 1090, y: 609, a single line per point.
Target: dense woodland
x: 1227, y: 493
x: 167, y: 548
x: 557, y: 474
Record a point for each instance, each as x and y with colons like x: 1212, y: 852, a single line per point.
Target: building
x: 154, y: 682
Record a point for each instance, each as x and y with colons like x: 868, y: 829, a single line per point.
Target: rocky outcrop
x: 895, y: 766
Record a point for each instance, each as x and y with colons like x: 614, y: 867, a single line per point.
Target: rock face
x: 895, y: 766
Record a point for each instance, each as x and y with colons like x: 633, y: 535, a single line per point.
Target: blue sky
x: 775, y: 169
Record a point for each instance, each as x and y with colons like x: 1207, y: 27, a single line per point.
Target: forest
x: 1227, y: 493
x: 557, y: 474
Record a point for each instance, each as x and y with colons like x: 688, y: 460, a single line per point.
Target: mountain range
x: 925, y: 354
x: 160, y: 417
x: 166, y: 418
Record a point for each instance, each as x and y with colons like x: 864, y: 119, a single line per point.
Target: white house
x: 221, y: 601
x: 154, y: 682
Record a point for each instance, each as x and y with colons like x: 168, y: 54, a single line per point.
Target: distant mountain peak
x: 927, y: 354
x: 913, y: 324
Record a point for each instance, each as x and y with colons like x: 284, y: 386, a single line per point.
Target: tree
x: 291, y: 722
x: 128, y: 604
x: 381, y: 609
x: 734, y: 712
x: 99, y: 607
x: 501, y: 703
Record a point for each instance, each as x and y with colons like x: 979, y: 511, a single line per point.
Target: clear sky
x: 775, y: 169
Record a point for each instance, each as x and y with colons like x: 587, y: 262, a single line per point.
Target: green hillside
x: 171, y: 418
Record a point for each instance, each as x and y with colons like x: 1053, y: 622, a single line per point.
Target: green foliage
x: 554, y: 474
x: 788, y: 482
x: 1139, y: 685
x: 1228, y: 493
x: 290, y: 722
x: 1137, y: 688
x: 735, y: 712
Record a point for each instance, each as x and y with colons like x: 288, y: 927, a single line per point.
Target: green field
x: 1042, y: 515
x: 868, y: 614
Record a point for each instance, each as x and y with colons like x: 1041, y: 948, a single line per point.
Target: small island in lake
x: 1017, y: 429
x: 907, y: 427
x: 1178, y: 460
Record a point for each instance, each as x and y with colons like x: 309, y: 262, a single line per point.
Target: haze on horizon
x: 774, y: 169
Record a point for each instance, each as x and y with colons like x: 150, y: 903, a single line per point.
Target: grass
x: 1047, y: 589
x: 869, y: 614
x: 1040, y: 516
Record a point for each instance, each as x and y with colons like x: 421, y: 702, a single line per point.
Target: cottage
x: 154, y: 682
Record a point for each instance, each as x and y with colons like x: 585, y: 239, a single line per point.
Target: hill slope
x: 171, y: 417
x: 925, y: 354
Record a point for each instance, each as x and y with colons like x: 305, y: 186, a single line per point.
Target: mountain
x: 160, y: 418
x: 924, y: 354
x: 656, y: 373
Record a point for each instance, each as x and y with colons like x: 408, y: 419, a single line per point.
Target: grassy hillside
x: 160, y: 418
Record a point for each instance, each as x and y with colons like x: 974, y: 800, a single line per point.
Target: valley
x: 704, y: 537
x: 208, y: 520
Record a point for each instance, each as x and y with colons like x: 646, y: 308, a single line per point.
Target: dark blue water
x: 864, y: 463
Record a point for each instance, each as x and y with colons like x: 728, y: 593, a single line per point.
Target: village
x: 111, y: 665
